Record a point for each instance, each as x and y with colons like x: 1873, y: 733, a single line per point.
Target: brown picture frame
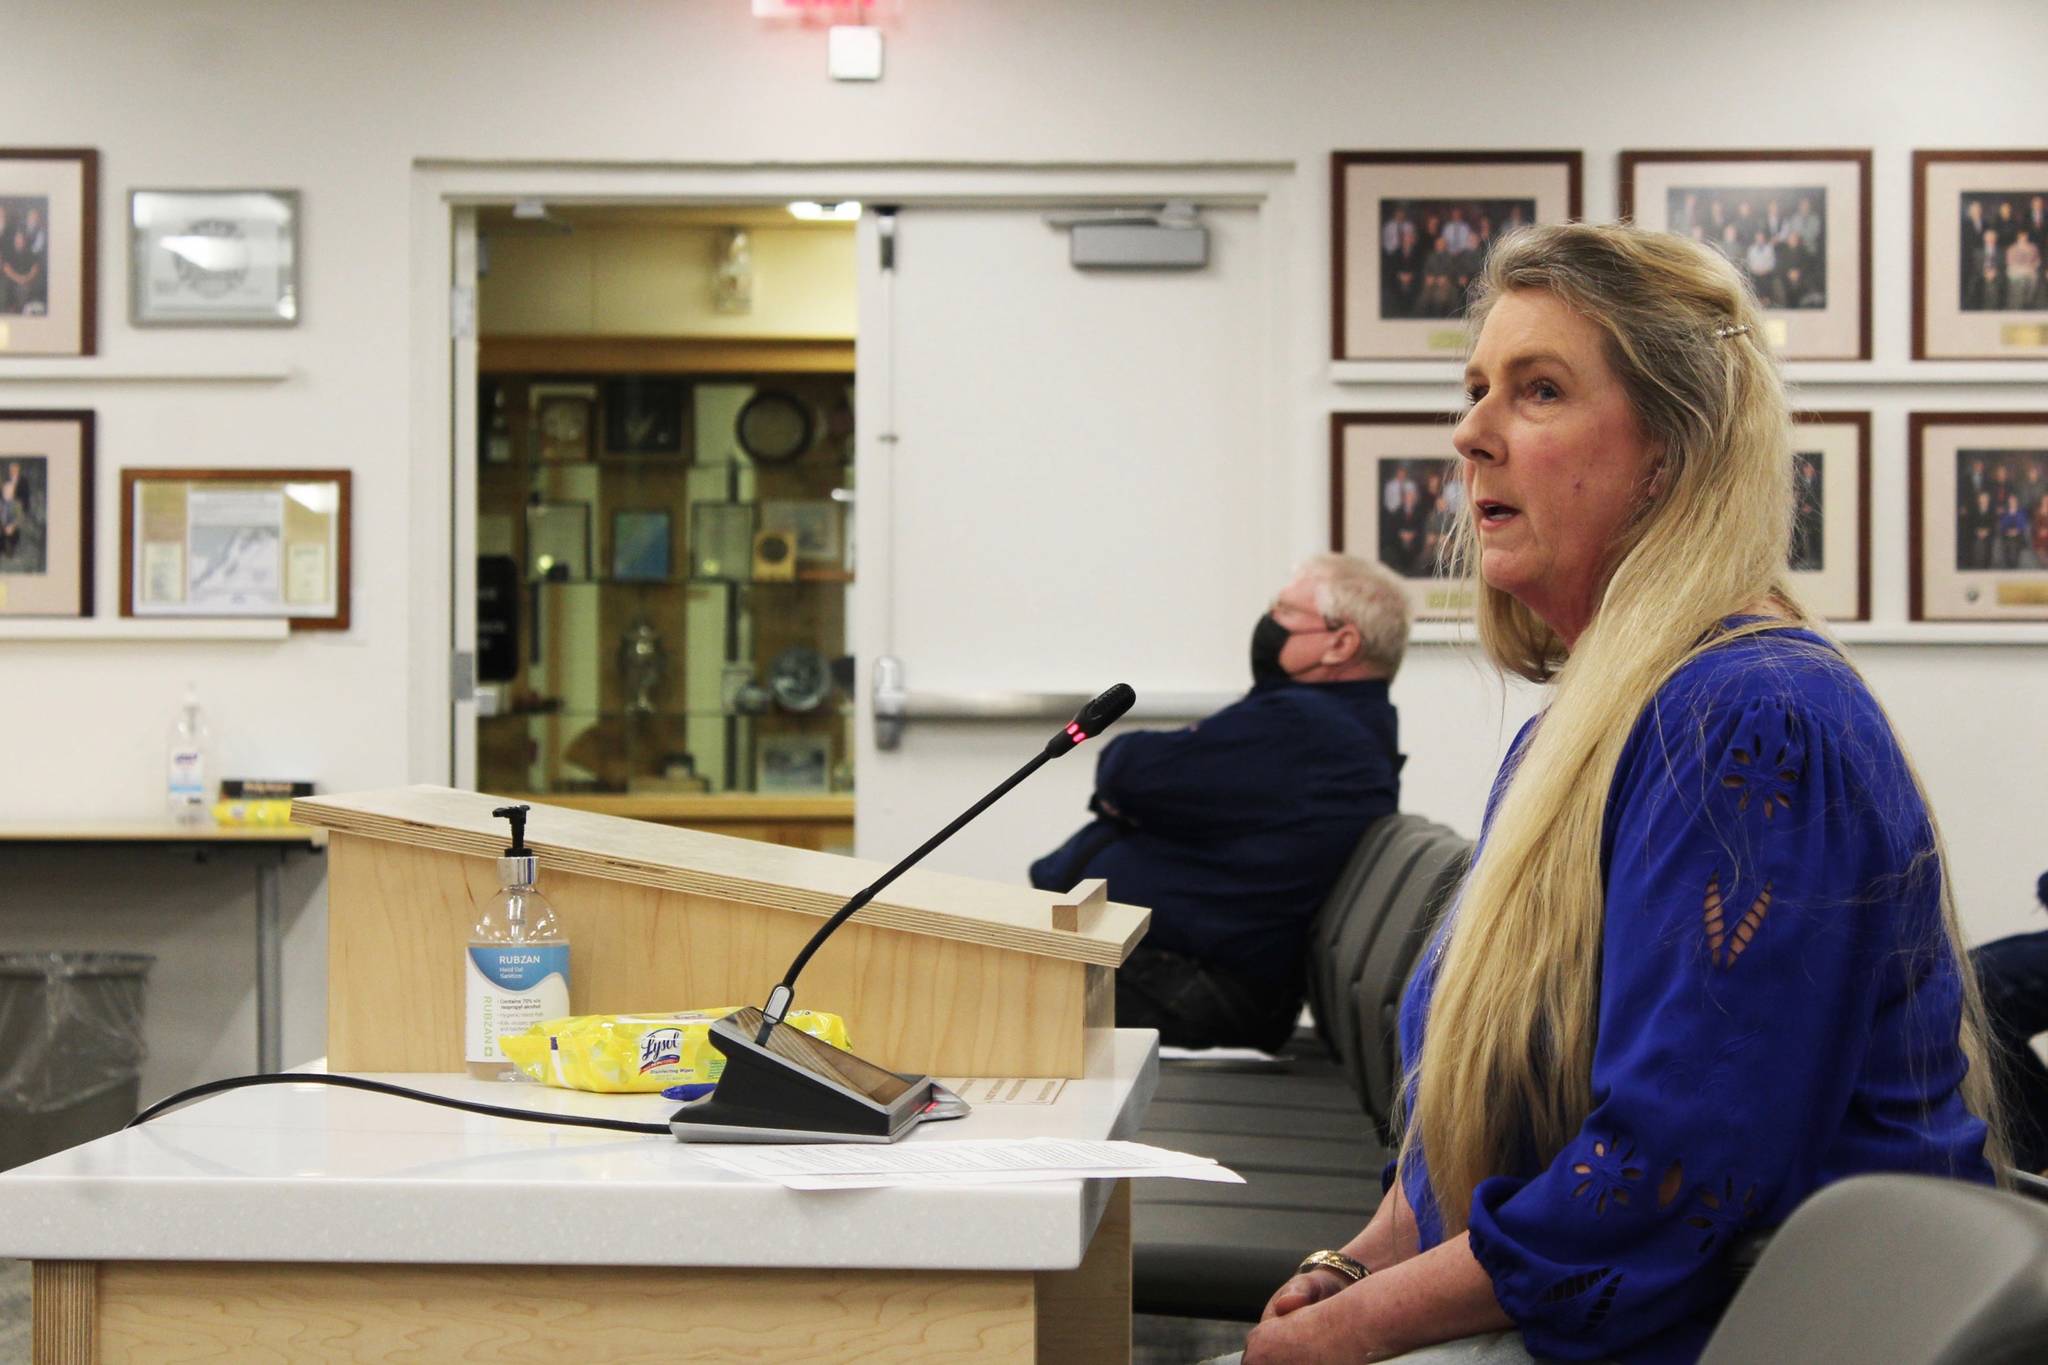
x: 1829, y: 598
x: 68, y: 324
x: 133, y: 479
x: 1361, y: 525
x: 1832, y: 331
x: 1936, y: 446
x: 70, y: 585
x: 1944, y: 180
x: 1553, y: 180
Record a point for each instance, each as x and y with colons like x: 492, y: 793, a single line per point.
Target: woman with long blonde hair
x: 1706, y: 961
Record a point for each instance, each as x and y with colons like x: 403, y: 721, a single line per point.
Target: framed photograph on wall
x: 237, y: 542
x: 1978, y: 515
x: 1830, y: 555
x: 1410, y: 232
x: 1395, y: 493
x: 223, y: 258
x: 1980, y: 235
x: 49, y: 250
x: 641, y: 539
x: 1795, y: 223
x: 644, y: 416
x: 46, y: 525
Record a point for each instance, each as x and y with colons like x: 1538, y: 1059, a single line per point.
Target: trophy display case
x: 663, y: 564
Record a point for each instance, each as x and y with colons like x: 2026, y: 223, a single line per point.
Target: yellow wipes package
x: 617, y: 1054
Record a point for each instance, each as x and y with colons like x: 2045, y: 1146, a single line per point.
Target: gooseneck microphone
x: 1091, y: 721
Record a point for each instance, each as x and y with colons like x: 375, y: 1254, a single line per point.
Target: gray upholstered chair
x: 1297, y: 1127
x: 1907, y: 1270
x: 1374, y: 1060
x: 1333, y: 920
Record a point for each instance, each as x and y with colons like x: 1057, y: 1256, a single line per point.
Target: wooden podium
x: 281, y: 1223
x: 941, y: 975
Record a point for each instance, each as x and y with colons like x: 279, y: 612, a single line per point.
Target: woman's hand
x: 1322, y: 1333
x: 1311, y: 1287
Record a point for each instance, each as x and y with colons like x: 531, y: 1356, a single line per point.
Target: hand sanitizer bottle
x: 186, y: 753
x: 517, y: 966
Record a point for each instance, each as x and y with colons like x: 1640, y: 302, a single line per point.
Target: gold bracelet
x: 1333, y: 1260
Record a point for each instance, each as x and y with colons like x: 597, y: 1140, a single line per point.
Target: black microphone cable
x: 496, y: 1111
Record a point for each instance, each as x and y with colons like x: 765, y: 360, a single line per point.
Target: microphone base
x: 793, y: 1088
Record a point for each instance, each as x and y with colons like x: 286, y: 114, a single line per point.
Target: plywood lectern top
x: 941, y: 974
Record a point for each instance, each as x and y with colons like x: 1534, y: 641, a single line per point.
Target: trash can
x: 70, y: 1049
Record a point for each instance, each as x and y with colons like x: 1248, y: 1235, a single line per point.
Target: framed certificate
x: 200, y: 258
x: 237, y: 542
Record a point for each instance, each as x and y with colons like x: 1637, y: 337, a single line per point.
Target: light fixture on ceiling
x: 811, y: 211
x: 529, y: 218
x: 821, y: 13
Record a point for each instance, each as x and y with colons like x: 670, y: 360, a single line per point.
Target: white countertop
x: 317, y: 1173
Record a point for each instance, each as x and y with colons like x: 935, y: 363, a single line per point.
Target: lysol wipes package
x: 618, y: 1054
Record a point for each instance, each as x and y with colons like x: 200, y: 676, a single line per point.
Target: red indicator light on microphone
x: 1075, y: 732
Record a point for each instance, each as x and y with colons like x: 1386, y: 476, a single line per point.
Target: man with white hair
x: 1233, y: 829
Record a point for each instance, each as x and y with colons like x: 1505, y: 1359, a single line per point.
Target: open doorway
x: 1015, y: 413
x: 663, y: 532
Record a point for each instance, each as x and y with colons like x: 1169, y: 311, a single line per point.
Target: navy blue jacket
x: 1234, y: 829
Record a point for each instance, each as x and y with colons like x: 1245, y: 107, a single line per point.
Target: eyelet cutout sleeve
x: 1769, y: 1018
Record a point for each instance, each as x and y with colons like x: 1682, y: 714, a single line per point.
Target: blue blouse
x: 1778, y: 1008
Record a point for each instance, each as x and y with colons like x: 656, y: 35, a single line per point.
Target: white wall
x: 339, y: 99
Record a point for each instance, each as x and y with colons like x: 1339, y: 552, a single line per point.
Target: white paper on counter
x: 824, y: 1166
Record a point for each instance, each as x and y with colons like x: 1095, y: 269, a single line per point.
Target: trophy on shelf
x: 643, y: 667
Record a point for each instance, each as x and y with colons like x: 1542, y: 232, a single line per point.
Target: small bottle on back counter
x: 517, y: 966
x: 186, y: 755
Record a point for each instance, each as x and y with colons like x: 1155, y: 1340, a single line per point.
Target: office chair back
x: 1334, y: 918
x: 1427, y: 893
x: 1366, y: 939
x: 1911, y: 1270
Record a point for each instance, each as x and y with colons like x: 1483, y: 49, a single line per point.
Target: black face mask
x: 1269, y: 637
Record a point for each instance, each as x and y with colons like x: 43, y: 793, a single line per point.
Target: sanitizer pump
x: 517, y: 967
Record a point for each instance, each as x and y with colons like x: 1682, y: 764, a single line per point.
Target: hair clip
x: 1731, y: 329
